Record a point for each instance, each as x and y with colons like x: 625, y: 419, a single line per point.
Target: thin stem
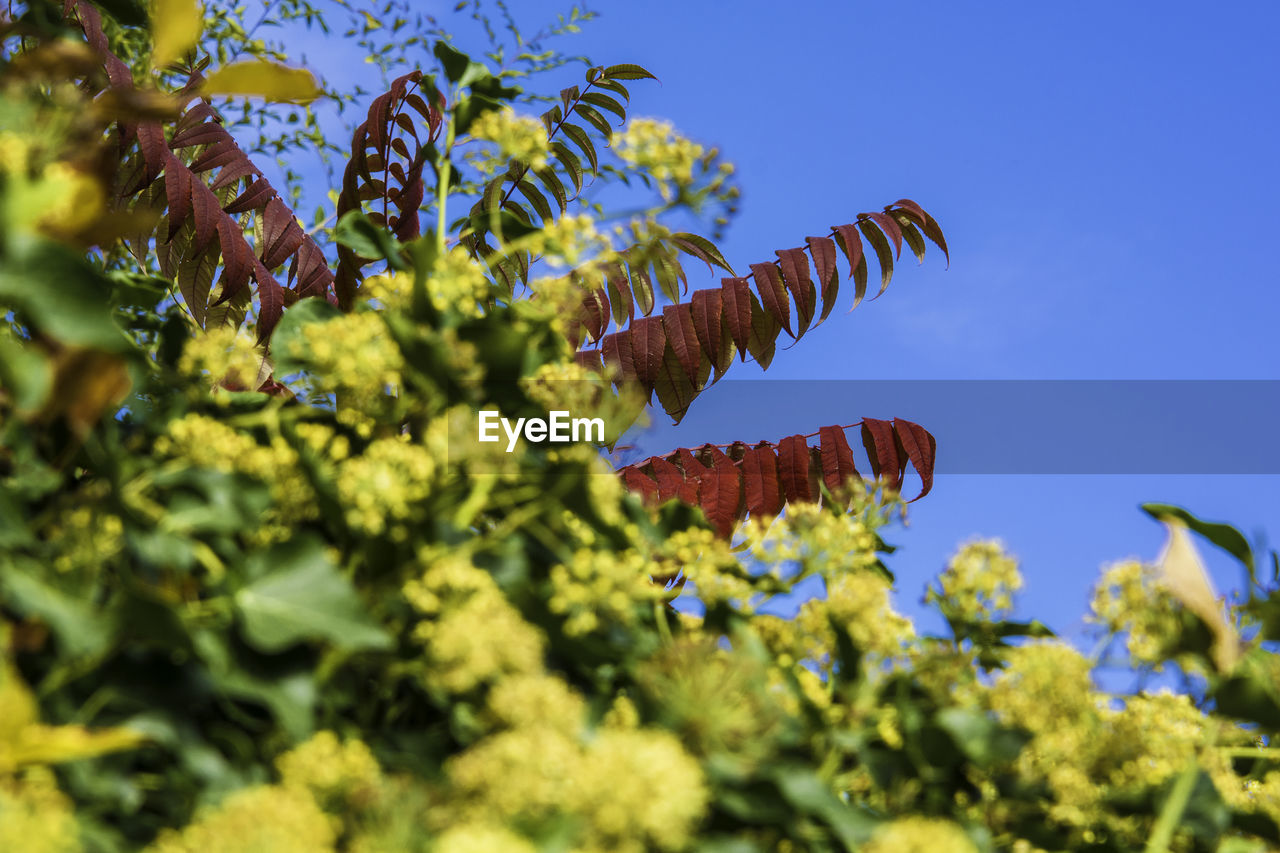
x: 442, y: 189
x: 1174, y: 807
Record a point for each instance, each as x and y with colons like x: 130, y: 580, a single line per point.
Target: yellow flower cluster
x: 393, y: 291
x: 224, y: 357
x: 1130, y: 600
x: 340, y: 776
x: 570, y: 240
x: 859, y: 601
x: 54, y: 198
x: 815, y: 539
x: 721, y: 699
x: 634, y: 789
x: 266, y: 819
x: 472, y: 634
x: 524, y: 701
x: 482, y: 838
x: 382, y: 489
x: 978, y: 584
x: 920, y: 835
x: 35, y: 817
x: 457, y: 283
x: 517, y: 137
x: 209, y: 443
x: 85, y: 537
x: 656, y: 146
x: 601, y: 587
x: 354, y: 356
x: 1048, y: 690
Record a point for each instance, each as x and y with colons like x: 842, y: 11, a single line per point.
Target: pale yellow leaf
x: 1184, y: 574
x: 175, y: 29
x: 263, y: 79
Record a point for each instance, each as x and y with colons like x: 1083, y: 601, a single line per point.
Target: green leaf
x: 1251, y: 692
x: 131, y: 13
x: 262, y: 79
x: 594, y: 117
x: 288, y: 344
x: 572, y: 165
x: 80, y: 630
x: 301, y: 595
x: 982, y: 740
x: 60, y: 294
x: 175, y: 29
x: 1224, y: 536
x: 456, y: 64
x: 579, y: 136
x: 195, y: 280
x: 604, y: 102
x: 702, y: 249
x: 810, y: 795
x: 627, y: 71
x: 25, y: 375
x: 363, y: 236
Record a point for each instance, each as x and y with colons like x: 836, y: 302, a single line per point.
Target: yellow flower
x: 267, y: 819
x: 920, y: 835
x: 517, y: 137
x: 473, y: 634
x: 342, y: 774
x: 978, y: 584
x: 34, y: 815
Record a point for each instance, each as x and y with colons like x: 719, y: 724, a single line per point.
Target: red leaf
x: 255, y: 196
x: 920, y: 448
x: 617, y: 353
x: 737, y: 311
x: 773, y: 294
x: 670, y: 479
x: 594, y: 313
x: 760, y: 480
x: 795, y: 273
x: 589, y: 358
x: 882, y: 449
x: 237, y: 259
x: 638, y: 483
x: 234, y: 171
x: 648, y: 342
x: 678, y: 324
x: 926, y: 223
x: 155, y: 153
x: 883, y: 255
x: 207, y: 133
x: 314, y: 275
x: 847, y: 236
x: 207, y: 215
x: 707, y: 320
x: 620, y: 291
x: 837, y: 458
x: 177, y: 189
x: 271, y: 297
x: 890, y: 227
x: 281, y: 234
x: 219, y: 155
x: 793, y: 468
x: 915, y: 211
x: 719, y: 492
x: 823, y: 250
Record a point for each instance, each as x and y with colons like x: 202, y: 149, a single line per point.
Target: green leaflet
x: 301, y: 595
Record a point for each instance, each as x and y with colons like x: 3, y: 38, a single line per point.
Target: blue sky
x: 1105, y: 174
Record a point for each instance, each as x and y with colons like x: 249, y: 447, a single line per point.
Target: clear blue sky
x: 1105, y: 174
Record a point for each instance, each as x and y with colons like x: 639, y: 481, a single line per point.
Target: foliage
x: 263, y: 590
